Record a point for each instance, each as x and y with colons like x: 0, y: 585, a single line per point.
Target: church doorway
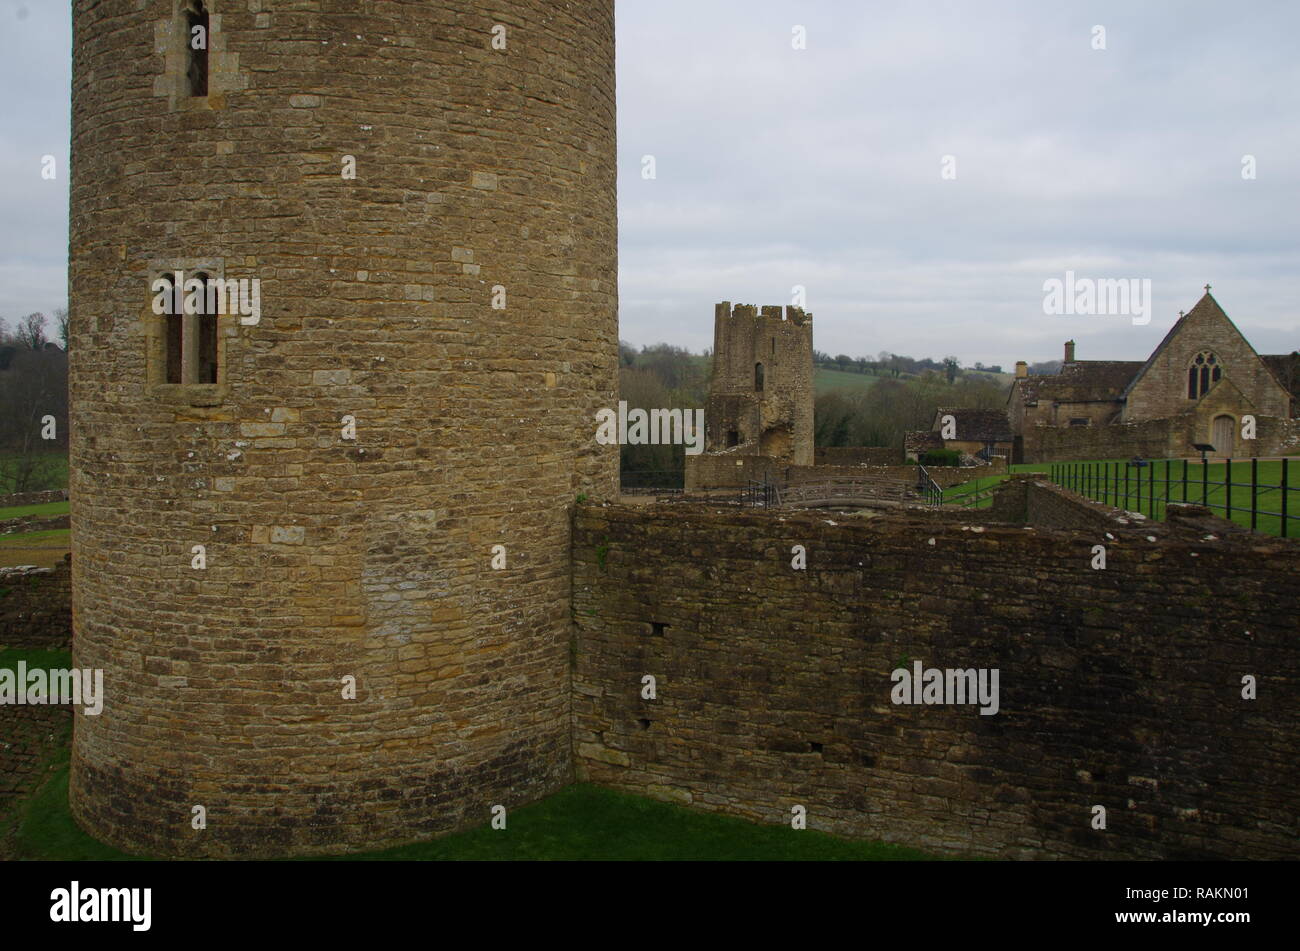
x: 1225, y: 427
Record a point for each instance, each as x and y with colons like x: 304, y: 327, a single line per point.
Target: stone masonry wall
x: 1149, y: 439
x: 36, y: 607
x: 1028, y: 497
x: 779, y: 418
x: 33, y: 498
x: 728, y: 470
x: 857, y: 456
x: 1119, y: 687
x: 1154, y: 439
x: 731, y: 470
x: 455, y: 299
x: 1161, y: 390
x: 30, y: 734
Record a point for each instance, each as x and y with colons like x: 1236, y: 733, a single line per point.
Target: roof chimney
x: 1069, y: 351
x: 1022, y: 369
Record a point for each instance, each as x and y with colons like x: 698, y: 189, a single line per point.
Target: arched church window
x: 1204, y: 371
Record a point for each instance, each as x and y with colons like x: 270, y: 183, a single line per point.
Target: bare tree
x: 61, y: 325
x: 31, y: 331
x: 34, y: 419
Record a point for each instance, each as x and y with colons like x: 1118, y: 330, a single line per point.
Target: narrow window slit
x: 196, y: 42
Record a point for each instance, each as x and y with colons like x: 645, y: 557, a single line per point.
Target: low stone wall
x: 36, y: 607
x: 33, y: 523
x: 947, y: 476
x: 1120, y: 688
x: 1151, y: 439
x: 944, y: 476
x: 794, y: 475
x: 727, y: 470
x: 33, y: 498
x: 1029, y: 498
x: 857, y: 456
x: 29, y: 736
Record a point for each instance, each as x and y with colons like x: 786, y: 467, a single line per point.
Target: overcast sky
x: 821, y: 167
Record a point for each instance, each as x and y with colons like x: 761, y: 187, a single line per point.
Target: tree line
x: 33, y: 402
x: 660, y: 377
x: 904, y: 399
x: 880, y: 415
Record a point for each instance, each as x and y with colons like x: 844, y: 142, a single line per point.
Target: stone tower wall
x: 328, y: 558
x: 743, y: 337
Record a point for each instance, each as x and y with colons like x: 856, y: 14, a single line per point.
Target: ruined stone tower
x: 761, y: 394
x: 273, y: 504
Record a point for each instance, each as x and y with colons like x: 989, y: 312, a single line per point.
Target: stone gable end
x: 1160, y: 390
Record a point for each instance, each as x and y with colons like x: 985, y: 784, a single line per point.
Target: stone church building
x: 1196, y: 387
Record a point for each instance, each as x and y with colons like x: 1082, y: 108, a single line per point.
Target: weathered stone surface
x: 29, y: 736
x: 760, y: 406
x: 329, y: 558
x: 597, y: 752
x: 1119, y: 687
x: 1119, y: 409
x: 36, y: 608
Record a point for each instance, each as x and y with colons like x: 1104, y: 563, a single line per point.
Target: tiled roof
x: 984, y: 425
x: 1081, y: 381
x: 921, y: 441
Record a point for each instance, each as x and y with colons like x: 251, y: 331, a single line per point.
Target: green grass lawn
x: 828, y: 381
x: 1152, y: 500
x: 589, y: 822
x: 45, y: 510
x: 45, y: 548
x: 10, y: 656
x: 1106, y: 489
x: 969, y: 494
x: 579, y: 822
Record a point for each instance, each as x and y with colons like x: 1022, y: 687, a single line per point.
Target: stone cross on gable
x: 1207, y: 288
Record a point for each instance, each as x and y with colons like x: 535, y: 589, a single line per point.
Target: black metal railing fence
x: 1149, y: 486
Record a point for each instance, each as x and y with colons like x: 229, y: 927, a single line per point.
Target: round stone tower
x: 344, y: 306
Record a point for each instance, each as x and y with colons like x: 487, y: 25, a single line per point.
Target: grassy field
x: 830, y: 381
x: 970, y: 492
x: 44, y: 549
x: 1105, y: 489
x: 826, y: 380
x: 10, y: 656
x: 578, y: 822
x: 45, y: 510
